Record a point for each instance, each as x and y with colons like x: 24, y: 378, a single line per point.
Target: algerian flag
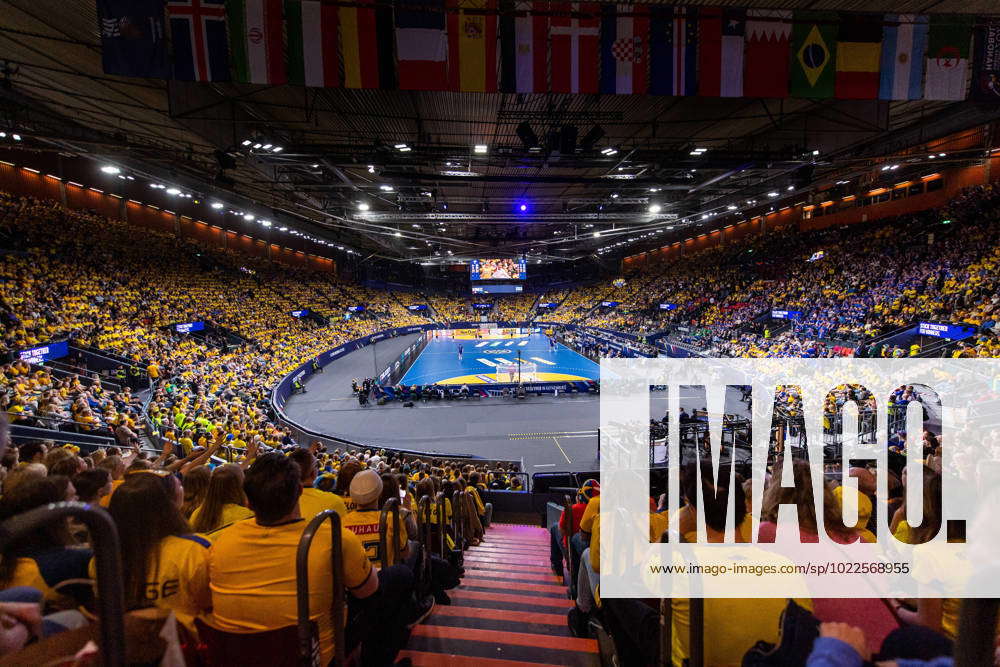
x: 256, y: 40
x: 948, y: 57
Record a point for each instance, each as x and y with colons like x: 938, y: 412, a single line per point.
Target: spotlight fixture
x: 371, y: 169
x: 173, y: 191
x: 111, y: 169
x: 772, y: 194
x: 385, y: 188
x: 277, y: 149
x: 402, y: 148
x: 480, y: 149
x: 655, y: 208
x: 614, y: 195
x: 217, y: 205
x: 247, y: 142
x: 17, y: 137
x: 363, y: 206
x: 790, y: 188
x: 522, y: 208
x: 256, y: 146
x: 609, y: 151
x: 397, y: 234
x: 248, y: 216
x: 597, y: 235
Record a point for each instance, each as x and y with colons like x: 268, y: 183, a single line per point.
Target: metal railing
x: 391, y: 505
x: 110, y: 590
x: 302, y: 588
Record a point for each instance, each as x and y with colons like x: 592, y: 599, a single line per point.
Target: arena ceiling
x: 447, y: 201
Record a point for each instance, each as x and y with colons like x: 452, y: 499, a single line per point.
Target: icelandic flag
x: 132, y: 38
x: 673, y: 42
x: 903, y: 47
x: 198, y: 31
x: 422, y: 45
x: 624, y: 43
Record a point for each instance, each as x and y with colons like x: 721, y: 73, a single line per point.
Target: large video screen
x: 498, y: 269
x: 501, y: 288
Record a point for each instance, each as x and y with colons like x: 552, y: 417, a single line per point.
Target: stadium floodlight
x: 614, y: 195
x: 654, y: 189
x: 655, y: 208
x: 111, y: 169
x: 597, y: 235
x: 363, y: 206
x: 173, y: 191
x: 17, y: 137
x: 397, y: 233
x: 248, y: 216
x: 257, y: 146
x: 385, y: 188
x: 731, y: 207
x: 277, y: 149
x: 266, y: 223
x: 931, y: 156
x: 217, y: 205
x: 480, y: 149
x: 3, y: 135
x: 522, y: 208
x: 315, y: 166
x: 247, y: 142
x: 790, y: 188
x: 402, y: 148
x: 266, y: 146
x: 939, y: 154
x: 772, y: 194
x: 371, y: 169
x: 609, y: 151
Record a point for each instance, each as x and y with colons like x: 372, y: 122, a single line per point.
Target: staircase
x: 509, y: 610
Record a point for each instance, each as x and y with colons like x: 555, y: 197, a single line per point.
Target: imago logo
x: 799, y: 477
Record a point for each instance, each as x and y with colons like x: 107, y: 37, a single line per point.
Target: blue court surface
x: 439, y: 362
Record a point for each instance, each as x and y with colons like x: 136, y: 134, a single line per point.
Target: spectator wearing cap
x: 559, y: 531
x: 366, y: 490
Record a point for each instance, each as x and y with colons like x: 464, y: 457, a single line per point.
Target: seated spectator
x: 253, y: 585
x: 366, y: 491
x: 47, y: 558
x: 196, y: 481
x: 313, y: 500
x: 225, y: 502
x: 165, y: 566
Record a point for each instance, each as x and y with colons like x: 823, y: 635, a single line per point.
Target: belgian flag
x: 859, y: 53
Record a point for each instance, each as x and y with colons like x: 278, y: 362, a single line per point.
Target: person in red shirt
x: 560, y: 530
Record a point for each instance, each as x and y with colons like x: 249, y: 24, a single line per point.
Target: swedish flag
x: 813, y: 53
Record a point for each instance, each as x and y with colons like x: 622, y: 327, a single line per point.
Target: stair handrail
x: 391, y: 505
x: 302, y: 588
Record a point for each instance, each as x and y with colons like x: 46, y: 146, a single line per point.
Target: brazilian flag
x: 814, y: 54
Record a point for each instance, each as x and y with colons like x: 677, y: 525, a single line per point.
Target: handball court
x: 548, y: 433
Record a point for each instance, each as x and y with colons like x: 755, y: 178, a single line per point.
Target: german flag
x: 859, y: 52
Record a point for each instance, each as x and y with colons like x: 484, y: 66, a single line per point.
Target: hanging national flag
x: 624, y: 46
x: 986, y: 63
x: 673, y: 43
x: 902, y: 66
x: 768, y: 39
x: 198, y: 34
x: 366, y: 45
x: 312, y: 43
x: 859, y: 52
x: 472, y: 45
x: 720, y: 52
x: 524, y: 32
x: 947, y: 57
x: 575, y: 31
x: 814, y: 38
x: 422, y: 45
x: 132, y: 38
x: 256, y: 40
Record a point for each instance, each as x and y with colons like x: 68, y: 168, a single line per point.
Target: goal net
x: 526, y: 372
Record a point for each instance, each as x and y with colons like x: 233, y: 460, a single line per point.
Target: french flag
x: 624, y: 49
x: 422, y: 45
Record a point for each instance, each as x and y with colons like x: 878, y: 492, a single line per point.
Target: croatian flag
x: 624, y: 46
x: 422, y: 45
x: 902, y: 67
x: 673, y: 51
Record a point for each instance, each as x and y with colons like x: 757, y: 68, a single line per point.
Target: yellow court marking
x: 556, y: 440
x: 537, y: 376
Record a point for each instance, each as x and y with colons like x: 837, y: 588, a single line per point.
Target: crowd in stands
x: 187, y: 521
x: 850, y: 283
x: 212, y: 542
